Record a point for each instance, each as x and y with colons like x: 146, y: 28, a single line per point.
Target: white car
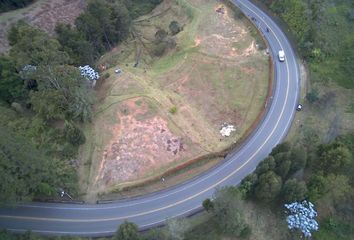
x: 281, y: 56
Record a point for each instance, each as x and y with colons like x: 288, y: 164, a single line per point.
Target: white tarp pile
x: 302, y: 216
x: 227, y: 129
x: 90, y: 74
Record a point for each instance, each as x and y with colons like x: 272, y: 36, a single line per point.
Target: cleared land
x: 42, y: 13
x: 169, y: 110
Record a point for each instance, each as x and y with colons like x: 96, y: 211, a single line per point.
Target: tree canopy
x: 24, y: 170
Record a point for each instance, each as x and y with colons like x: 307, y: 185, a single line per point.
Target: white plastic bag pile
x: 89, y: 73
x: 227, y: 129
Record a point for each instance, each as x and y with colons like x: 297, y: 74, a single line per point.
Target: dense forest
x: 323, y: 30
x: 44, y: 97
x: 7, y: 5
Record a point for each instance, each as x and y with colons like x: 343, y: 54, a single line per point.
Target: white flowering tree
x: 89, y: 73
x: 302, y: 216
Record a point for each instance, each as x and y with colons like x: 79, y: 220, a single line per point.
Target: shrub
x: 312, y: 96
x: 175, y: 27
x: 208, y: 205
x: 160, y: 49
x: 173, y: 110
x: 73, y: 134
x: 160, y: 35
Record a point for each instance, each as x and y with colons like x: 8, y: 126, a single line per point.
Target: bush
x: 248, y: 184
x: 73, y: 134
x: 127, y: 231
x: 208, y: 205
x: 246, y: 232
x: 160, y: 35
x: 312, y: 96
x: 268, y: 187
x: 173, y: 110
x: 106, y: 75
x: 160, y: 49
x: 174, y: 27
x: 228, y: 211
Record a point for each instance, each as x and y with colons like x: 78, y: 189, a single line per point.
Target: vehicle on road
x: 299, y: 107
x: 281, y: 56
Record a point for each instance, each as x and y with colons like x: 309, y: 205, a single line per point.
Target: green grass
x: 165, y: 64
x: 173, y: 110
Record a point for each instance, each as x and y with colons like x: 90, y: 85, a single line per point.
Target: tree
x: 295, y: 13
x: 127, y: 231
x: 248, y: 184
x: 49, y: 104
x: 73, y: 134
x: 11, y: 85
x: 74, y: 43
x: 293, y: 190
x: 67, y: 93
x: 333, y: 157
x: 337, y: 187
x: 268, y: 186
x: 228, y: 211
x: 34, y: 47
x: 90, y: 27
x: 280, y: 148
x: 104, y: 24
x: 283, y: 164
x: 316, y: 187
x: 268, y: 164
x: 176, y: 229
x: 101, y: 11
x: 24, y: 170
x: 174, y: 27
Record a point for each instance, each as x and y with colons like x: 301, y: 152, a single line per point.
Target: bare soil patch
x: 140, y: 143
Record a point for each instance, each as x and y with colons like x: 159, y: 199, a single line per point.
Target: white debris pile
x: 89, y: 73
x: 302, y: 216
x: 227, y: 129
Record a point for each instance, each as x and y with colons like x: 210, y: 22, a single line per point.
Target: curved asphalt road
x: 153, y: 209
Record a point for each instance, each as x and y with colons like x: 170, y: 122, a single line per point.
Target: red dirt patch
x: 139, y: 145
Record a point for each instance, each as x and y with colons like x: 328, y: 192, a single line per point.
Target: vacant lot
x: 166, y: 111
x: 42, y: 13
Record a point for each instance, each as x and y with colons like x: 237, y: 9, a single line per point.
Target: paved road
x: 185, y: 199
